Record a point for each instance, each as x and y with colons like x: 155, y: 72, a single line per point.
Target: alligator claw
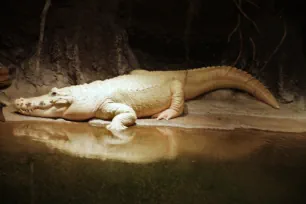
x: 166, y: 114
x: 116, y: 127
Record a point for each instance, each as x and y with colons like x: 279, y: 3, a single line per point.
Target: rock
x: 4, y: 99
x: 2, y: 119
x: 5, y: 80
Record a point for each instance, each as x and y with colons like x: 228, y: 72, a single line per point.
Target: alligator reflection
x: 141, y: 144
x: 167, y: 165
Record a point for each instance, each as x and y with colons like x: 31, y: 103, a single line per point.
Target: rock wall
x: 90, y: 40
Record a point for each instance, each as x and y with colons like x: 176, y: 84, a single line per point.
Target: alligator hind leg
x: 177, y: 102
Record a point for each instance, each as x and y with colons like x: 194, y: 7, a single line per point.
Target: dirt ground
x: 218, y: 110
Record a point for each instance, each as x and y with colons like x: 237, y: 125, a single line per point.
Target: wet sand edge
x: 217, y: 121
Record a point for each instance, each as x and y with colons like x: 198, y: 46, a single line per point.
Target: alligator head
x: 51, y: 105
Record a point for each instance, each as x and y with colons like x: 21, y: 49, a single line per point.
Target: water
x: 45, y: 162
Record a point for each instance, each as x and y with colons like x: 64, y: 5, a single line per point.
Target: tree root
x: 252, y: 3
x: 276, y: 48
x: 238, y: 5
x: 235, y: 29
x: 241, y: 47
x: 41, y: 35
x: 254, y: 49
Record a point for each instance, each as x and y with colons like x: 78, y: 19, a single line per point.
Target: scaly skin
x: 123, y: 99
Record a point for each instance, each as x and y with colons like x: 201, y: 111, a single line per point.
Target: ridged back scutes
x: 133, y: 83
x: 246, y: 81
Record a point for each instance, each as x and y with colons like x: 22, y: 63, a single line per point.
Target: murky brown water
x: 76, y: 163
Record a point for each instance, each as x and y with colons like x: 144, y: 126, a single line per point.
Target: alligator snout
x: 42, y: 103
x: 22, y: 104
x: 19, y: 102
x: 28, y: 105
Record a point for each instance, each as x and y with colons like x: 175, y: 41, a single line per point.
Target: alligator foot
x: 119, y: 138
x: 120, y: 132
x: 116, y: 127
x: 166, y: 114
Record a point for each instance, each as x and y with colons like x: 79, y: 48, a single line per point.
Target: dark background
x: 98, y: 39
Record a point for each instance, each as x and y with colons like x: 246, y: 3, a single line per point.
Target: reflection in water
x: 177, y: 165
x: 140, y: 144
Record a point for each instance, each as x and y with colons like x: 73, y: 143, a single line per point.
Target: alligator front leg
x: 177, y: 102
x: 122, y: 114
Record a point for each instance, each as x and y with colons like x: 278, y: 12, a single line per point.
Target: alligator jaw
x: 40, y: 106
x: 27, y: 106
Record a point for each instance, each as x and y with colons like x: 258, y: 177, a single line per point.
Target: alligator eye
x: 53, y: 94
